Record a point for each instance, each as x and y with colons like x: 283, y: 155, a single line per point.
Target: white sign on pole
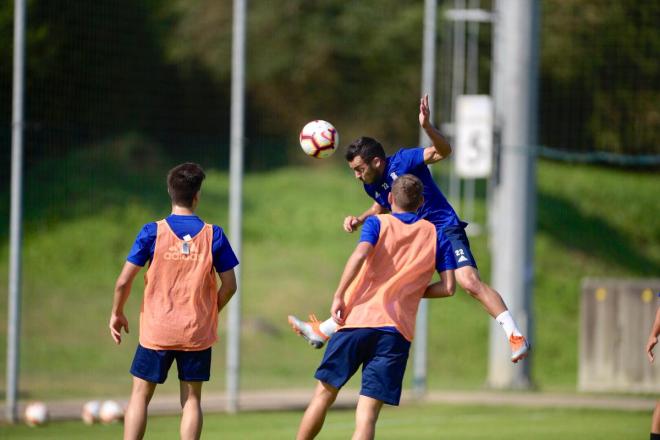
x: 474, y: 136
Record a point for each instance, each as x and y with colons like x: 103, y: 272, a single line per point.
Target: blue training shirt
x: 436, y: 209
x: 142, y: 251
x: 371, y: 232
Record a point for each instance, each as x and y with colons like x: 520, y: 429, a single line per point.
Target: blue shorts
x: 382, y: 354
x: 459, y: 246
x: 444, y: 256
x: 153, y: 365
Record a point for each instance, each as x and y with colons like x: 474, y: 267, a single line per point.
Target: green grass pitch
x: 435, y: 422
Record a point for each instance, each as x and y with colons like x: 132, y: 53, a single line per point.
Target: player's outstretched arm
x: 352, y: 223
x: 122, y: 290
x: 441, y: 148
x: 227, y: 288
x: 353, y: 266
x: 653, y: 336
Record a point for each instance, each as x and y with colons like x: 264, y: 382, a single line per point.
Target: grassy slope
x: 82, y: 220
x: 414, y: 422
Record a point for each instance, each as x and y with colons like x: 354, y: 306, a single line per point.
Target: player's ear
x: 390, y: 198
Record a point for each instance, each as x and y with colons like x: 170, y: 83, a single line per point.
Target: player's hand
x: 351, y: 223
x: 650, y: 345
x: 337, y: 310
x: 117, y: 321
x: 424, y: 112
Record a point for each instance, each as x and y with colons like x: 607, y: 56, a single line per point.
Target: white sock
x: 508, y: 324
x: 328, y: 327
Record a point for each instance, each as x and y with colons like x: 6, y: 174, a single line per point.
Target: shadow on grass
x: 591, y: 235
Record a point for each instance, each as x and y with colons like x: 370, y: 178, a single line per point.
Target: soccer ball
x: 319, y: 139
x: 110, y: 412
x: 91, y: 412
x: 36, y: 414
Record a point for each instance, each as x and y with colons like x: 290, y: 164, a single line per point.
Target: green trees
x: 161, y: 68
x: 354, y: 63
x: 601, y: 76
x: 358, y: 64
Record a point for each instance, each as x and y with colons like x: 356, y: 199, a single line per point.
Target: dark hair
x: 365, y: 147
x: 183, y: 182
x: 407, y: 192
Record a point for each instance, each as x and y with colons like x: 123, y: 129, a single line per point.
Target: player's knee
x: 142, y: 389
x: 471, y: 284
x: 448, y: 283
x: 366, y: 419
x: 326, y: 393
x: 189, y: 400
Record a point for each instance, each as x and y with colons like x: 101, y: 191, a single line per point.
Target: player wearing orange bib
x: 375, y: 306
x: 181, y: 302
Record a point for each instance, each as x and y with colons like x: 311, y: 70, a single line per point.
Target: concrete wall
x: 616, y: 317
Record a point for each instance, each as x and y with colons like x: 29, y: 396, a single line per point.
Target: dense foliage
x: 161, y: 68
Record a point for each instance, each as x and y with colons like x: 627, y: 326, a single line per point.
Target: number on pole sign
x: 474, y: 136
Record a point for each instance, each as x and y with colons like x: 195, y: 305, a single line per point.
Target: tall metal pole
x: 458, y: 86
x: 515, y: 77
x: 428, y: 87
x: 236, y: 197
x: 472, y: 77
x: 15, y: 221
x: 472, y: 88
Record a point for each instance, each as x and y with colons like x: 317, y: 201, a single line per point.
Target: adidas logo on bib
x: 188, y: 251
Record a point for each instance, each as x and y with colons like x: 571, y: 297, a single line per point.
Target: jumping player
x: 367, y: 159
x: 179, y: 316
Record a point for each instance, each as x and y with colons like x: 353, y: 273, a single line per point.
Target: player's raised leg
x: 312, y: 421
x: 135, y: 419
x: 191, y: 410
x: 316, y: 333
x: 468, y: 279
x: 366, y: 416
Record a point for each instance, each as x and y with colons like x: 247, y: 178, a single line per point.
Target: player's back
x: 390, y: 284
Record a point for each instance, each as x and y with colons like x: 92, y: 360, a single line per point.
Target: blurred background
x: 119, y: 91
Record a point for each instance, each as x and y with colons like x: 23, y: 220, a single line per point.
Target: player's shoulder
x: 218, y: 232
x: 373, y: 220
x: 427, y: 225
x: 146, y: 236
x: 407, y: 151
x: 407, y: 156
x: 398, y: 154
x: 149, y: 229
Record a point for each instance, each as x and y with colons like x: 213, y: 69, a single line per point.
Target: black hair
x: 183, y: 183
x: 365, y: 147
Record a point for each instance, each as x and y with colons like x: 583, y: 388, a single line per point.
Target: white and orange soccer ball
x: 36, y: 413
x: 111, y: 412
x: 319, y: 139
x: 91, y: 412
